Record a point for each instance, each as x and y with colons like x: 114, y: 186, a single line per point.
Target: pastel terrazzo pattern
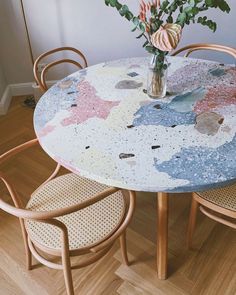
x: 177, y: 112
x: 100, y: 123
x: 207, y: 166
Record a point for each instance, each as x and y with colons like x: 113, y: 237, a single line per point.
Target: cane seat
x: 86, y: 227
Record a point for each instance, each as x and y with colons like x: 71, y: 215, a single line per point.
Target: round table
x: 100, y: 123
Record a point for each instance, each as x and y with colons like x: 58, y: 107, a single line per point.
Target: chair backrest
x: 206, y: 46
x: 40, y: 77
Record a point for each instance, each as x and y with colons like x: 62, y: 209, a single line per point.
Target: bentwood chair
x: 217, y: 204
x: 69, y: 216
x: 40, y: 77
x: 205, y: 46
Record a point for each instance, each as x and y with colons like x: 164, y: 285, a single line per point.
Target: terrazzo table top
x: 99, y: 123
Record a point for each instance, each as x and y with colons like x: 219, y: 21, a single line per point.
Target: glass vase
x: 157, y: 77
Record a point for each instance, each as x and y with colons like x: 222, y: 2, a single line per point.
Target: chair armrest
x: 24, y: 146
x: 15, y: 198
x: 18, y: 149
x: 43, y: 215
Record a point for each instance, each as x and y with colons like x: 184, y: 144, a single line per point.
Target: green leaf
x: 113, y: 3
x: 142, y: 27
x: 188, y: 9
x: 191, y: 11
x: 154, y: 26
x: 195, y: 10
x: 164, y: 4
x: 129, y: 15
x: 153, y: 10
x: 150, y: 49
x: 181, y: 19
x: 221, y: 4
x: 169, y: 19
x: 192, y: 3
x: 209, y: 2
x: 145, y: 44
x: 124, y: 9
x: 207, y: 22
x: 173, y: 7
x: 136, y: 21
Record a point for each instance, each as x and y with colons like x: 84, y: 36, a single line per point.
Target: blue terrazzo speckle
x: 202, y: 165
x: 217, y: 72
x: 185, y: 102
x: 61, y: 102
x: 177, y: 112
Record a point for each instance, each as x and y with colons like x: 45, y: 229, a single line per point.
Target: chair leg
x: 27, y: 249
x: 192, y: 222
x: 67, y: 273
x: 123, y: 247
x: 28, y: 258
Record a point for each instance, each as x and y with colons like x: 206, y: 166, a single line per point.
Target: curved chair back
x: 40, y: 77
x: 206, y: 46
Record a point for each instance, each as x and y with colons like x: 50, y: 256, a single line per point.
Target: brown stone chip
x: 208, y: 123
x: 156, y: 147
x: 126, y: 156
x: 157, y: 106
x: 128, y: 84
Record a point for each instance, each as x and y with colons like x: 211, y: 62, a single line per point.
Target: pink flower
x: 146, y: 7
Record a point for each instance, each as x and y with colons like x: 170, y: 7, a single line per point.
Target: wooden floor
x: 208, y: 269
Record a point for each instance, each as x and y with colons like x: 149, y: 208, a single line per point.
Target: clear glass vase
x: 157, y: 77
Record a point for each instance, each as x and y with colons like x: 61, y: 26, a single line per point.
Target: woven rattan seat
x: 86, y: 227
x: 224, y: 197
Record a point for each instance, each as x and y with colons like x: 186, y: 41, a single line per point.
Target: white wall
x: 3, y: 83
x: 88, y: 25
x: 13, y: 45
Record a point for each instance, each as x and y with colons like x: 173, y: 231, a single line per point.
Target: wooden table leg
x: 162, y: 235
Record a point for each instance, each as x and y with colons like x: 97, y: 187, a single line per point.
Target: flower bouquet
x: 161, y: 23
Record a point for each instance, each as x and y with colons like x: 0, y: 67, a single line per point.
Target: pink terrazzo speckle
x: 216, y: 97
x: 89, y: 106
x: 232, y: 72
x: 46, y: 130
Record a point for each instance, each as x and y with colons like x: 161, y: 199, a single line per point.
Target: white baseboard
x: 15, y: 90
x: 21, y: 89
x: 5, y: 100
